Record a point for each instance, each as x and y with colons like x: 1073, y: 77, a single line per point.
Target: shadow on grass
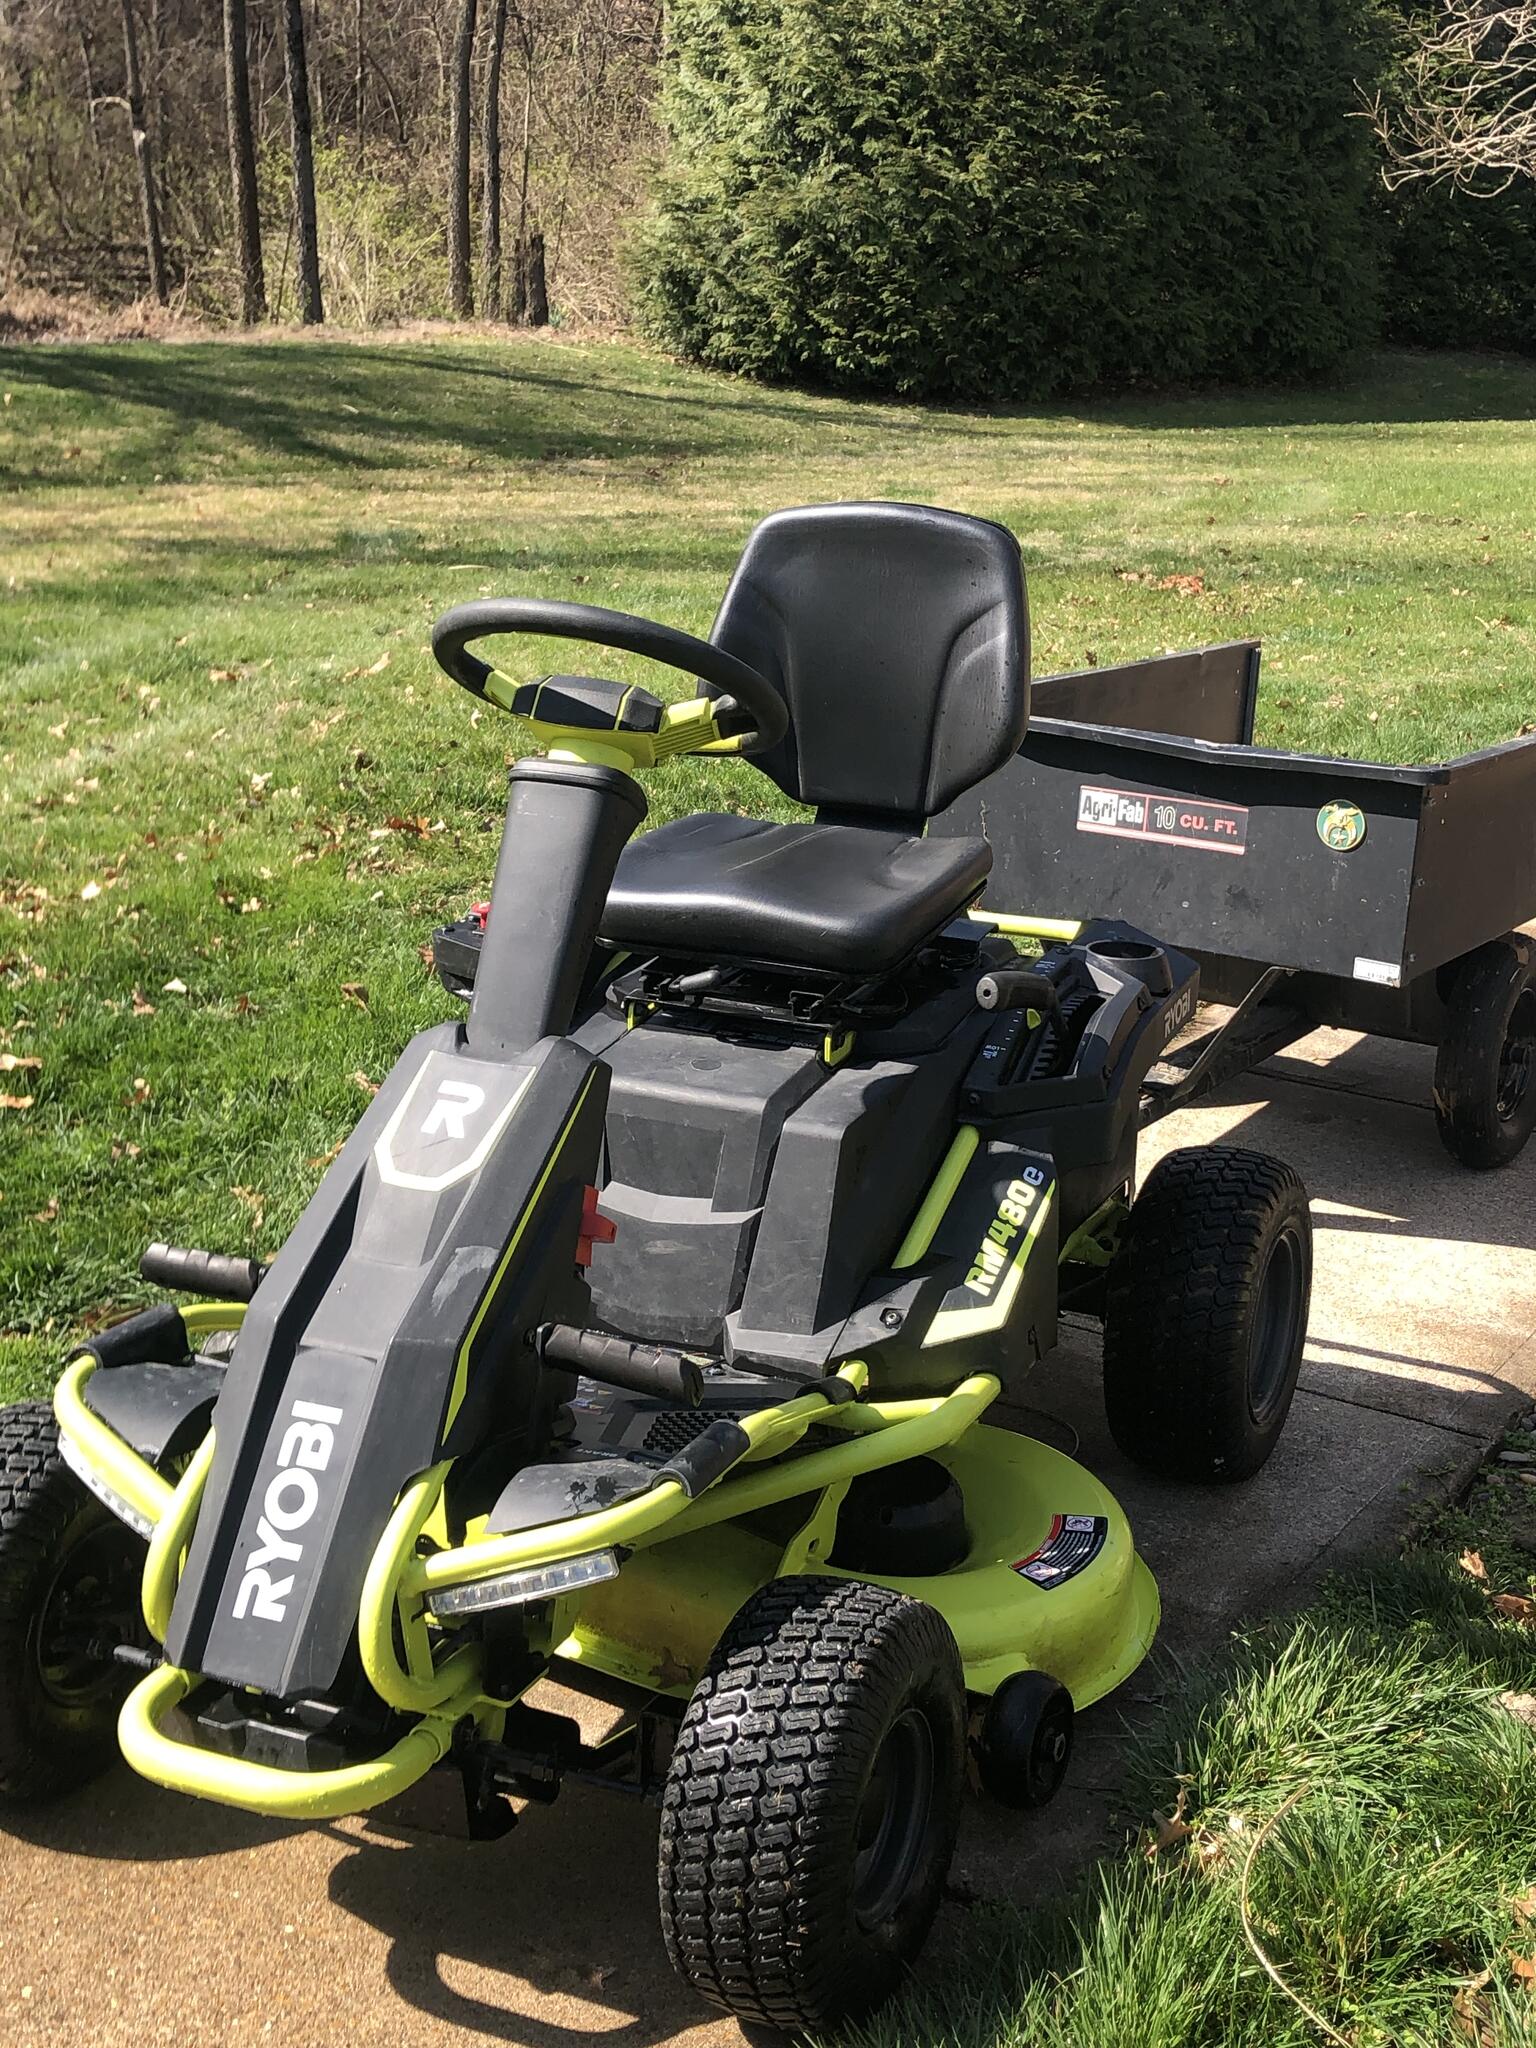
x: 374, y: 407
x: 1356, y: 1771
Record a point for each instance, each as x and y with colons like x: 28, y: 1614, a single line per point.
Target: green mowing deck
x: 226, y: 761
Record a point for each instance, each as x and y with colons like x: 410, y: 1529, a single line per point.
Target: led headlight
x: 92, y: 1481
x: 517, y: 1589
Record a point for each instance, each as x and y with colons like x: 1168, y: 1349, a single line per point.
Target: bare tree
x: 296, y: 73
x: 518, y: 309
x: 242, y: 162
x: 538, y: 290
x: 490, y: 171
x: 154, y: 246
x: 1466, y: 111
x: 461, y: 291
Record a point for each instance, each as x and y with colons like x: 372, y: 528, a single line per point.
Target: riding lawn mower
x: 639, y: 1335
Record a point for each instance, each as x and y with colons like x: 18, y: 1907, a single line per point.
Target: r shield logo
x: 453, y: 1113
x: 456, y: 1100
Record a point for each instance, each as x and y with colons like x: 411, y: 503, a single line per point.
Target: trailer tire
x: 812, y: 1803
x: 69, y: 1575
x: 1485, y: 1071
x: 1205, y: 1314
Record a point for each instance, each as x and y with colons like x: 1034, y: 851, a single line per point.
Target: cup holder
x: 1148, y: 963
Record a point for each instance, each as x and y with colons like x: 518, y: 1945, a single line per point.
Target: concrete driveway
x: 133, y: 1916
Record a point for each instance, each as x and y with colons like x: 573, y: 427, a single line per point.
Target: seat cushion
x: 848, y: 899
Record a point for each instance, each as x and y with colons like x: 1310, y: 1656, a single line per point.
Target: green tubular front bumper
x: 685, y: 1574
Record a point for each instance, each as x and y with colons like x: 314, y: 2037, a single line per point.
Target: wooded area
x: 971, y: 197
x: 283, y: 160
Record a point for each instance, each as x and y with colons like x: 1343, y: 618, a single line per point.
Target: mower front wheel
x: 812, y: 1803
x: 1205, y: 1313
x: 69, y: 1590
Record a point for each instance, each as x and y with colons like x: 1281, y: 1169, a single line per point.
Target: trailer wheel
x: 812, y: 1803
x: 69, y: 1588
x: 1485, y: 1073
x: 1206, y: 1314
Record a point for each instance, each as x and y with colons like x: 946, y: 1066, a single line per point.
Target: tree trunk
x: 490, y: 186
x: 154, y: 248
x: 461, y: 291
x: 242, y: 162
x: 518, y: 311
x: 538, y: 293
x: 88, y: 69
x: 359, y: 73
x: 296, y: 72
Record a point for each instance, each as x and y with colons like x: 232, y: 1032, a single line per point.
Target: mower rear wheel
x: 69, y: 1589
x: 1485, y: 1071
x: 1025, y: 1741
x: 1205, y: 1313
x: 812, y: 1802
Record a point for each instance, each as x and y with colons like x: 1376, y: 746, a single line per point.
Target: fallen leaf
x: 355, y: 992
x: 1524, y: 1968
x: 414, y: 828
x: 244, y: 1007
x: 361, y: 1080
x: 1471, y: 1562
x: 128, y: 1151
x: 142, y: 1093
x: 325, y: 1158
x: 255, y: 1201
x: 17, y: 1101
x: 1524, y: 1908
x: 50, y: 1214
x: 90, y: 892
x: 1523, y: 1706
x: 1186, y: 586
x: 1470, y: 2011
x: 16, y: 1063
x: 174, y: 987
x: 1516, y: 1607
x: 1169, y: 1828
x: 140, y: 1007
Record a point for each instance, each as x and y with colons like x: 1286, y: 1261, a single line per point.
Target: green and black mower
x: 640, y: 1333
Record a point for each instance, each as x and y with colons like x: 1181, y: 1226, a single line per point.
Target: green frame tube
x: 258, y: 1788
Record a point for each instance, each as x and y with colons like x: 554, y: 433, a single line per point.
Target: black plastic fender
x: 161, y: 1411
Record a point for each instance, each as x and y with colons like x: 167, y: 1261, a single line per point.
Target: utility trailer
x: 1310, y: 890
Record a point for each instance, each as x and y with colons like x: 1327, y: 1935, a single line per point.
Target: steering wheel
x: 744, y: 692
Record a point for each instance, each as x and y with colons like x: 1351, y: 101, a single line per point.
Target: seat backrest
x: 898, y: 636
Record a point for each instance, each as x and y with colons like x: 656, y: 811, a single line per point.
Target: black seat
x: 898, y: 636
x: 851, y: 899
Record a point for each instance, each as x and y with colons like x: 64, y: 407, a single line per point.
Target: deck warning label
x: 1175, y: 820
x: 1072, y: 1545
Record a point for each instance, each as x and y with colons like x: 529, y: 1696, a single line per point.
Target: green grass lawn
x: 235, y: 797
x: 235, y: 794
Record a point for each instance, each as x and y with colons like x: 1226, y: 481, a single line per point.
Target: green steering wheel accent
x: 749, y: 711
